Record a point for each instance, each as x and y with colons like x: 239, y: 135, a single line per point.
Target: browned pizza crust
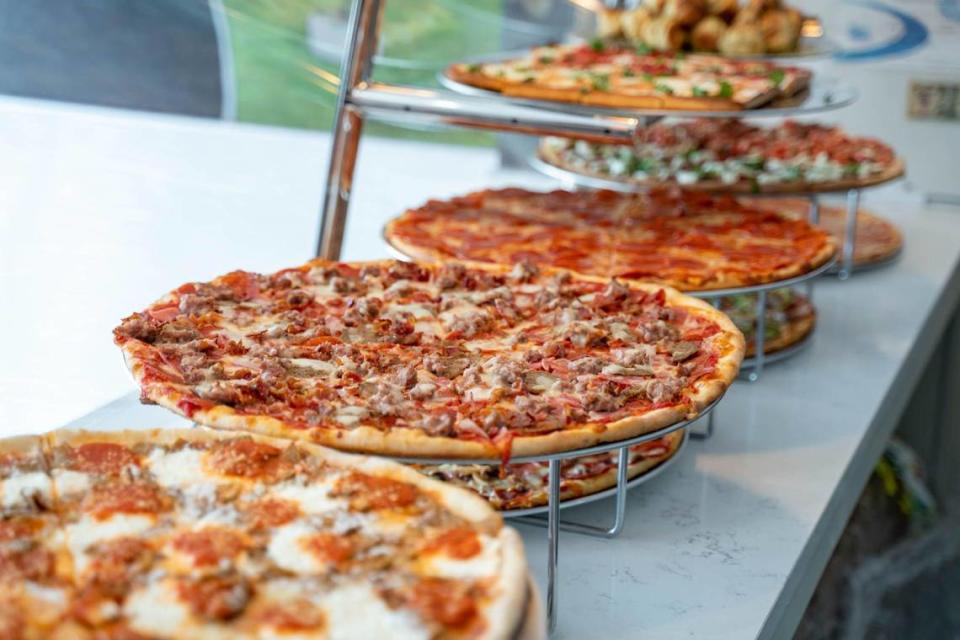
x: 793, y: 331
x: 415, y: 443
x: 896, y: 170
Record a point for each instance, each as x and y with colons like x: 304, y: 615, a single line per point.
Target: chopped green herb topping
x: 596, y: 44
x: 777, y: 76
x: 662, y: 88
x: 726, y: 89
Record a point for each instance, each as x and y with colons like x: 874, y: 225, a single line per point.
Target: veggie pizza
x: 611, y: 75
x: 733, y: 156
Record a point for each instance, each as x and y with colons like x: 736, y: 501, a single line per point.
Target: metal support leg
x: 553, y: 540
x: 619, y: 516
x: 849, y: 234
x: 707, y: 433
x: 814, y: 218
x: 760, y: 337
x: 362, y: 33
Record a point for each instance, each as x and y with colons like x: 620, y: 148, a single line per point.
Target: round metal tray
x: 824, y: 94
x: 575, y: 180
x: 606, y: 493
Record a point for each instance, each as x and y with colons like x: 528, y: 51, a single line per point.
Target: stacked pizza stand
x: 481, y: 105
x: 394, y: 360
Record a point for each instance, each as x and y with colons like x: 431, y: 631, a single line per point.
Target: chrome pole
x: 849, y: 234
x: 362, y: 34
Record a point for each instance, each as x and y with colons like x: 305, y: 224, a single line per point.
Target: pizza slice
x: 789, y: 318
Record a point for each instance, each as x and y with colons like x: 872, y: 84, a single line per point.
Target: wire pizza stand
x: 552, y: 521
x: 359, y: 98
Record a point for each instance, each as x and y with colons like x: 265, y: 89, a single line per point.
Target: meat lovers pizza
x: 197, y: 534
x: 524, y: 485
x: 619, y: 76
x: 732, y: 156
x: 691, y: 241
x: 789, y: 318
x: 876, y: 239
x: 403, y: 359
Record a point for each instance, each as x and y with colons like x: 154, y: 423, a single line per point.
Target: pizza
x: 877, y: 239
x: 524, y: 485
x: 610, y: 75
x: 789, y: 318
x: 690, y: 241
x: 728, y: 155
x: 197, y: 534
x: 405, y: 359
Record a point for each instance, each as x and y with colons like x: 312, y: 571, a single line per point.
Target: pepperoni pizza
x: 193, y: 534
x: 404, y: 359
x: 691, y: 241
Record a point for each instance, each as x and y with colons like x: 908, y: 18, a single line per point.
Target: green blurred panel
x: 281, y: 80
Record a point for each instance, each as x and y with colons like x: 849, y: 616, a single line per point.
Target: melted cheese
x: 312, y: 498
x: 482, y: 565
x: 156, y: 611
x: 287, y: 551
x: 182, y: 468
x: 19, y: 490
x: 88, y: 530
x: 71, y: 482
x: 356, y: 612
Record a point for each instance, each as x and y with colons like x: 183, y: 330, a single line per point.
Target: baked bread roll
x: 706, y: 35
x: 608, y: 23
x: 632, y: 23
x: 742, y: 39
x: 663, y: 34
x: 684, y: 12
x: 781, y: 30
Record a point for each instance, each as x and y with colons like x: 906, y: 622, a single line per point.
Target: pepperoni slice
x: 245, y: 458
x: 272, y: 512
x: 29, y: 562
x: 328, y: 547
x: 110, y: 498
x: 102, y: 458
x: 210, y: 545
x: 299, y: 615
x: 116, y: 561
x: 446, y: 602
x: 215, y: 597
x: 19, y: 528
x: 459, y: 543
x: 372, y: 493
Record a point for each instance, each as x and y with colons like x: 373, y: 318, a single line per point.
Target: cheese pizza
x: 691, y: 241
x: 524, y: 485
x: 405, y: 359
x: 195, y: 534
x: 611, y: 75
x: 727, y: 155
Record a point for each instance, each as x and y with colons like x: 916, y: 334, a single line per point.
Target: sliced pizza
x: 420, y: 360
x: 194, y: 534
x: 726, y: 155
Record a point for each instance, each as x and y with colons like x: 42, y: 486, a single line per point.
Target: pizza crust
x: 897, y: 169
x: 793, y: 332
x: 411, y: 443
x: 504, y: 613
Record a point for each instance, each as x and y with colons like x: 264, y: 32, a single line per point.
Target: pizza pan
x: 824, y: 94
x: 576, y: 180
x: 606, y: 493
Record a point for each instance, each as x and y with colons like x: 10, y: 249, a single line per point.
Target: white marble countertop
x: 102, y: 212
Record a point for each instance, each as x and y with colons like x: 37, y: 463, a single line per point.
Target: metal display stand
x: 359, y: 98
x: 552, y: 522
